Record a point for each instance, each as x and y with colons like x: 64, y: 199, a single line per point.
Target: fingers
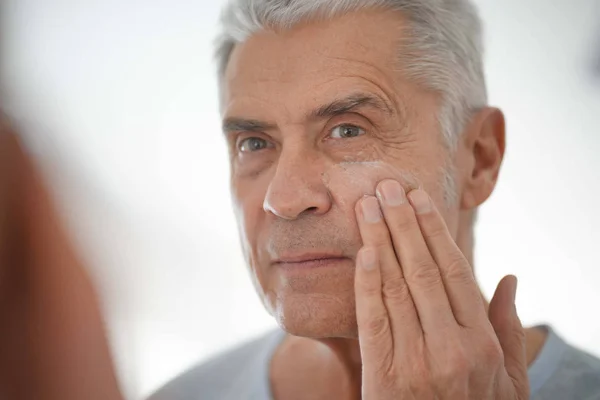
x: 510, y: 332
x: 375, y: 234
x: 374, y: 330
x: 420, y: 269
x: 457, y: 275
x: 411, y: 244
x: 393, y: 288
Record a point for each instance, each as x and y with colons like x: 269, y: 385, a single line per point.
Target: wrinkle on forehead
x: 279, y: 64
x: 278, y: 104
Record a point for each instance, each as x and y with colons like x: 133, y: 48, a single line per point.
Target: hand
x: 422, y: 324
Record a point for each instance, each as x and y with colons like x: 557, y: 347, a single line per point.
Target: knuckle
x: 377, y: 326
x: 457, y: 269
x: 367, y: 288
x: 518, y: 332
x: 425, y: 273
x: 396, y: 289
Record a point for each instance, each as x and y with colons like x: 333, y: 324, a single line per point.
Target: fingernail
x: 368, y: 260
x: 392, y: 192
x: 370, y: 209
x: 420, y: 201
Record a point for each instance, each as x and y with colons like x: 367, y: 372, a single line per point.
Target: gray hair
x: 444, y: 53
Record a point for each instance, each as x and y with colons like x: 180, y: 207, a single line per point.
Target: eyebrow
x: 337, y: 107
x: 349, y: 104
x: 246, y: 125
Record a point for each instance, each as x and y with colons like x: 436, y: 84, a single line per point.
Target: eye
x: 346, y: 131
x: 252, y: 144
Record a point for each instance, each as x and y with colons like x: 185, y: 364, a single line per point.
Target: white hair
x: 442, y: 51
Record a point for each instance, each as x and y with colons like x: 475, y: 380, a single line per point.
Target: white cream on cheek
x: 348, y: 181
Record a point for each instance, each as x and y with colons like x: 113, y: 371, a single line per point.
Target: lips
x: 309, y: 260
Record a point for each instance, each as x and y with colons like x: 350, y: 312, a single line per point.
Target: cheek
x: 247, y: 202
x: 349, y: 181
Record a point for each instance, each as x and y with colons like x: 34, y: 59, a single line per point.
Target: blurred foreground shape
x: 52, y: 340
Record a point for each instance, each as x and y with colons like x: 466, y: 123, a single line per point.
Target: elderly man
x: 361, y: 146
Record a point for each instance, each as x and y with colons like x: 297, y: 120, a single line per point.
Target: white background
x: 121, y: 103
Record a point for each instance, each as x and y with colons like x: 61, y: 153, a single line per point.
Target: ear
x: 480, y: 156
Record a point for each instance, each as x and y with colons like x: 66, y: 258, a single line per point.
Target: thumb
x: 511, y: 335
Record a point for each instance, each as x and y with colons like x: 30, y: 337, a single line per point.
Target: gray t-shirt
x: 560, y: 372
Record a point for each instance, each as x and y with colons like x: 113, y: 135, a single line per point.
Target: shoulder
x: 582, y: 371
x: 577, y: 376
x: 241, y: 365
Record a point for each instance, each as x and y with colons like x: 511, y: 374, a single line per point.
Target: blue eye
x: 252, y: 144
x: 346, y: 131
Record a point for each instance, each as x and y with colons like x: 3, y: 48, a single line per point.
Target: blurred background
x: 119, y: 99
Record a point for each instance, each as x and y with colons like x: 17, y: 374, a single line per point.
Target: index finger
x: 374, y: 327
x: 394, y: 288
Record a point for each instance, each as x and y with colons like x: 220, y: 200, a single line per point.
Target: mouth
x: 310, y: 261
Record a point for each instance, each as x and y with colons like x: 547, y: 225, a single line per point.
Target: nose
x: 297, y: 187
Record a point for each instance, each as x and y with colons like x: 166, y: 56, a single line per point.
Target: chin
x: 317, y: 316
x: 312, y: 302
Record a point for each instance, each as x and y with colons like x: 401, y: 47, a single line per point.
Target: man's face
x: 315, y: 118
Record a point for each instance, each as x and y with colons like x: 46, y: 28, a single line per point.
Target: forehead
x: 309, y: 63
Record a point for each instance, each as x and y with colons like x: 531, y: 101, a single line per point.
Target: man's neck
x: 332, y: 368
